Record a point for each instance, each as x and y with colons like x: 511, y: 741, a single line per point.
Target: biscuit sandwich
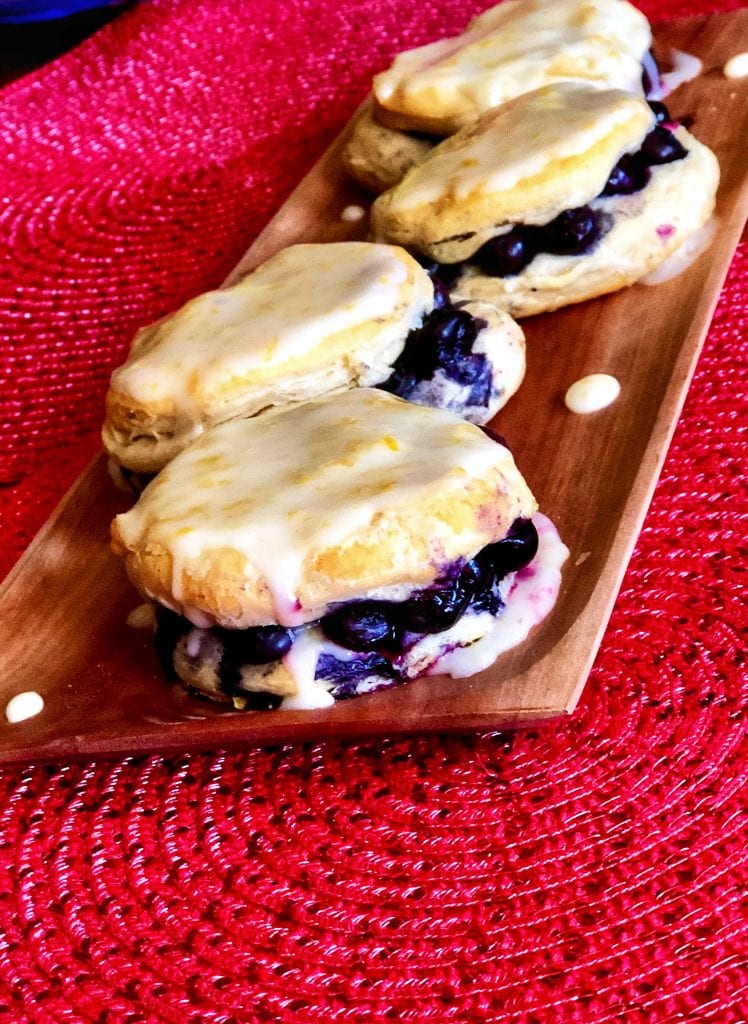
x: 519, y: 46
x: 313, y: 320
x: 337, y: 547
x: 563, y: 194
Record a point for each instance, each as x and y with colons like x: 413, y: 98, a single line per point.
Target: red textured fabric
x: 591, y: 871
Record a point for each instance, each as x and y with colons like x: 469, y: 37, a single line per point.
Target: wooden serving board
x: 63, y: 609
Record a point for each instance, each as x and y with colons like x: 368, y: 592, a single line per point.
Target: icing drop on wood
x: 592, y: 393
x: 737, y: 66
x: 352, y: 214
x: 685, y: 68
x: 23, y: 705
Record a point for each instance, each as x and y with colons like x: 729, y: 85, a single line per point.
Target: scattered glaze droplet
x: 592, y: 393
x: 737, y: 66
x: 353, y: 213
x: 685, y: 68
x: 23, y: 705
x: 142, y: 617
x: 684, y: 255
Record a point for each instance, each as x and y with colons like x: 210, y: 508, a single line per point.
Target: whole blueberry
x: 361, y: 626
x: 452, y: 328
x: 660, y: 111
x: 662, y: 147
x: 572, y: 233
x: 257, y: 646
x: 505, y: 255
x: 434, y: 609
x: 517, y: 550
x: 629, y: 175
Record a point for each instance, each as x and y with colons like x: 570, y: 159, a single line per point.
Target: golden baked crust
x: 648, y: 226
x: 276, y: 518
x: 547, y: 151
x: 511, y: 49
x: 378, y: 157
x: 312, y: 320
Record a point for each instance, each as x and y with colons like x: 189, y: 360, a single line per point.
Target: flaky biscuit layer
x: 312, y: 320
x: 547, y: 151
x: 379, y: 157
x: 276, y: 518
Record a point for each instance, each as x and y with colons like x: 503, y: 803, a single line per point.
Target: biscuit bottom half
x: 475, y: 610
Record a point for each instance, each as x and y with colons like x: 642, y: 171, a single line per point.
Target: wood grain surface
x: 63, y: 608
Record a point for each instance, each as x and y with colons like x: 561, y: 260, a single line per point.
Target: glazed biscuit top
x: 332, y: 499
x: 525, y: 162
x: 300, y: 306
x: 511, y: 49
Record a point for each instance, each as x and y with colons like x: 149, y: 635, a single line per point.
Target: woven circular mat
x: 590, y: 871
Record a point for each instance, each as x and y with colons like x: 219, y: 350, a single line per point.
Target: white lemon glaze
x: 277, y: 487
x: 301, y: 662
x: 284, y: 310
x: 591, y: 393
x: 737, y: 66
x: 554, y: 124
x: 513, y: 48
x: 685, y: 68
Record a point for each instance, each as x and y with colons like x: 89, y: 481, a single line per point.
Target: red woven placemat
x: 588, y: 872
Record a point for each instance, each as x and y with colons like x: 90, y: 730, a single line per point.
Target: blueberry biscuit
x: 335, y: 547
x: 521, y: 45
x: 314, y: 319
x: 563, y: 194
x: 511, y: 49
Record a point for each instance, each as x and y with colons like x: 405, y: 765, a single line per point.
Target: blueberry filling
x: 444, y: 342
x: 375, y: 630
x: 574, y: 232
x: 383, y: 625
x: 650, y: 74
x: 362, y: 626
x: 345, y: 676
